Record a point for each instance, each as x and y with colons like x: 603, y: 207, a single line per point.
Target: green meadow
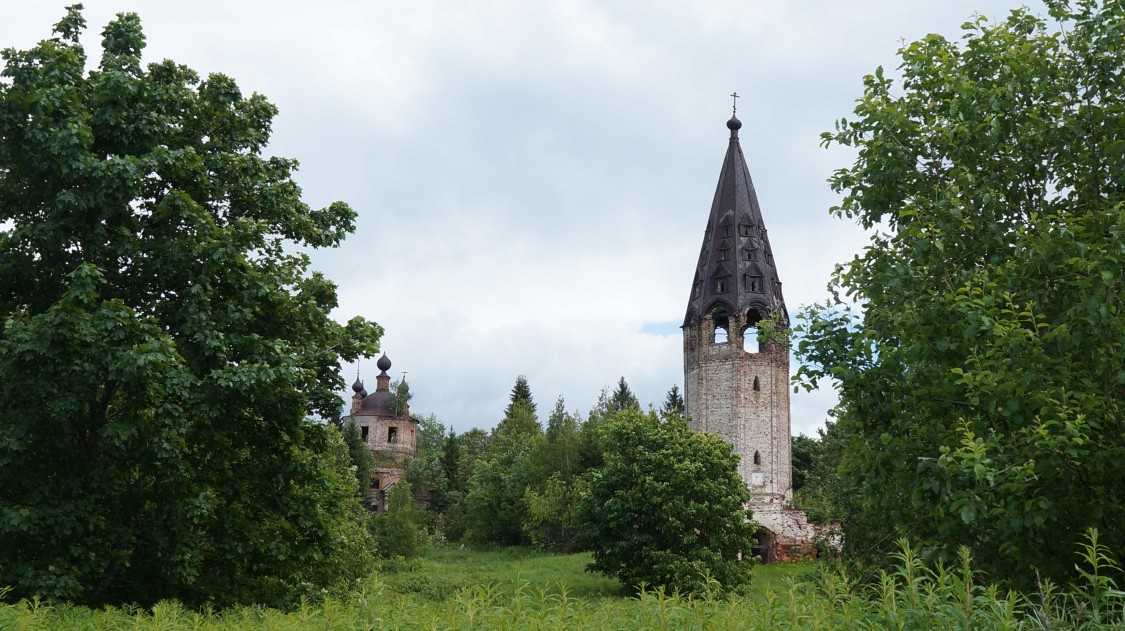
x: 515, y: 588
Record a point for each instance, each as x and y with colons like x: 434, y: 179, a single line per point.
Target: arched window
x: 750, y: 340
x: 757, y: 384
x: 722, y: 325
x: 757, y: 458
x: 750, y: 333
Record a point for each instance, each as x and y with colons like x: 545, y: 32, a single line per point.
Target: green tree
x: 822, y: 492
x: 160, y: 351
x: 360, y: 455
x: 495, y: 501
x: 668, y: 507
x: 590, y: 448
x: 982, y: 382
x: 674, y: 402
x: 521, y: 393
x: 552, y: 483
x: 519, y: 419
x: 623, y: 398
x: 398, y: 531
x: 461, y: 453
x: 560, y: 447
x: 552, y: 515
x: 399, y: 400
x: 806, y: 453
x: 496, y: 510
x: 426, y: 472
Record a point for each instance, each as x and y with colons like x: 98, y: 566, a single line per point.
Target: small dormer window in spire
x: 752, y: 283
x: 745, y: 229
x: 724, y: 254
x: 722, y: 285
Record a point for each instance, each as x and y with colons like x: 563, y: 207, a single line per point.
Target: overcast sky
x: 533, y: 178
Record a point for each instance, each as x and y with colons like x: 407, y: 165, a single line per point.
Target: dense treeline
x: 616, y: 482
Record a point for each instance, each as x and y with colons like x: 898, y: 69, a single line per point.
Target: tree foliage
x: 398, y: 531
x: 399, y: 399
x: 623, y: 398
x: 160, y: 352
x: 521, y: 393
x: 360, y: 455
x: 981, y: 380
x: 674, y: 402
x: 495, y: 501
x: 667, y: 508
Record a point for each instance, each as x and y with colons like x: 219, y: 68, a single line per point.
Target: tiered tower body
x: 734, y: 387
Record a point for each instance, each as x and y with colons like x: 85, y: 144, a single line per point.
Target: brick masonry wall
x: 721, y: 399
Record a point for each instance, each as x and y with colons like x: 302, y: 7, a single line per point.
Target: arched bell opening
x: 750, y: 342
x: 720, y: 320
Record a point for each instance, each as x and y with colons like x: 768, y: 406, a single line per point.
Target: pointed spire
x: 736, y: 269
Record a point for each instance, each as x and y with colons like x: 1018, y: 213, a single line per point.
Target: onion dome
x: 384, y: 363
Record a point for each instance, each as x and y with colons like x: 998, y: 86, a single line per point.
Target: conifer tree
x: 623, y: 398
x: 673, y: 403
x: 521, y: 393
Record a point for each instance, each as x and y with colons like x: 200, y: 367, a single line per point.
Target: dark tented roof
x: 736, y: 268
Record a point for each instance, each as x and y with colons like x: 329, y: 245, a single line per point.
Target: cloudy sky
x: 533, y: 178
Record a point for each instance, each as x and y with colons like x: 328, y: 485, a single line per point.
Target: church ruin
x: 735, y: 388
x: 389, y: 433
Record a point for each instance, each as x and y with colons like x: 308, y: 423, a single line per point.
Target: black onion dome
x: 734, y: 124
x: 358, y: 385
x: 384, y: 363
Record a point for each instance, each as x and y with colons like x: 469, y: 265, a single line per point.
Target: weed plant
x: 914, y: 596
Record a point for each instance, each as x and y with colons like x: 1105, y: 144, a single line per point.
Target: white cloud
x: 533, y: 179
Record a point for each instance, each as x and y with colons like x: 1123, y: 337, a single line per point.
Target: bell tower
x: 734, y: 387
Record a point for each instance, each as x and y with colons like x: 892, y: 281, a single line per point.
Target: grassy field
x: 444, y: 571
x: 521, y: 589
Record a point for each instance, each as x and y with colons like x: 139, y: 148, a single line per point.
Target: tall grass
x: 914, y: 596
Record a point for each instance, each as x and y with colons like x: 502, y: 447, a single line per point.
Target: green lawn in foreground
x: 443, y: 571
x: 517, y: 589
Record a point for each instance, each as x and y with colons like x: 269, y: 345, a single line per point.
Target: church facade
x: 390, y: 434
x: 735, y: 387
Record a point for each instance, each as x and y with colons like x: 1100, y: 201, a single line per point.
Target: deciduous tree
x: 160, y: 351
x: 667, y: 508
x: 981, y: 379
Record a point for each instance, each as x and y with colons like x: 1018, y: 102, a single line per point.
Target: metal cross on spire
x: 734, y: 102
